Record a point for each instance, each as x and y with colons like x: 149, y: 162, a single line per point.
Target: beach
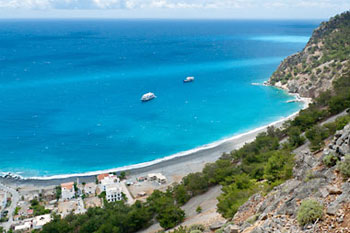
x: 174, y: 167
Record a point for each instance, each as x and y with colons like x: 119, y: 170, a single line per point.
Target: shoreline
x: 204, y: 154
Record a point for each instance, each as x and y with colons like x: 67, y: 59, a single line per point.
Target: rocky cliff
x: 277, y: 211
x: 321, y: 61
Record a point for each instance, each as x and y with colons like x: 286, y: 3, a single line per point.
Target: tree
x: 58, y: 192
x: 279, y: 166
x: 295, y: 139
x: 196, y: 183
x: 180, y: 194
x: 122, y: 175
x: 199, y: 209
x: 170, y: 217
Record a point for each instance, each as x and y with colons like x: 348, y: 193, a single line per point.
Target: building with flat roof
x: 41, y: 220
x: 159, y: 177
x: 111, y: 185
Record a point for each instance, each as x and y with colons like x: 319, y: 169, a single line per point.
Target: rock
x: 231, y: 229
x: 263, y: 216
x: 340, y: 219
x: 258, y: 230
x: 332, y: 210
x: 333, y: 190
x: 216, y: 226
x: 324, y: 192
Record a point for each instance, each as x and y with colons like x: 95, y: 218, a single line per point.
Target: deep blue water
x: 70, y: 90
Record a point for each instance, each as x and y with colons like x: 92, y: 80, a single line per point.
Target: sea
x: 70, y: 89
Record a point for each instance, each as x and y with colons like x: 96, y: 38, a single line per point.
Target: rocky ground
x: 277, y: 211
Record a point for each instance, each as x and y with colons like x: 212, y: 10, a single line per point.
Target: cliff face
x: 277, y: 211
x: 323, y: 59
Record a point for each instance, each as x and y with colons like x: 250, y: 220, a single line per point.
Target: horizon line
x: 155, y: 18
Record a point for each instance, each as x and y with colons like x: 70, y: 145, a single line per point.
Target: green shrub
x: 316, y: 135
x: 197, y: 227
x: 309, y: 211
x: 330, y: 160
x: 344, y: 166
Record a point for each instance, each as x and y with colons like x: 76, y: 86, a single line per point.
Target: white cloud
x: 174, y: 4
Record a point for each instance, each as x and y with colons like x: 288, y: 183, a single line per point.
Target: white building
x: 111, y: 185
x: 159, y: 177
x: 67, y: 191
x: 23, y: 227
x: 90, y: 188
x: 41, y: 220
x: 114, y: 192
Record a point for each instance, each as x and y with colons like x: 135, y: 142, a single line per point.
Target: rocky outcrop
x: 323, y: 60
x: 277, y: 211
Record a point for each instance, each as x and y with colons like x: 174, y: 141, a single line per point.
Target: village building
x: 25, y: 226
x: 90, y: 189
x: 41, y: 220
x: 67, y: 191
x: 111, y: 185
x: 159, y: 177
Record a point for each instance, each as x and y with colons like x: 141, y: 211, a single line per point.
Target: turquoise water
x: 70, y: 90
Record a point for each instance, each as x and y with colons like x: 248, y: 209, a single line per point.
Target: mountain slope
x: 322, y: 61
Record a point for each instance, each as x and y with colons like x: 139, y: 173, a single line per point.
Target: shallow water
x: 70, y: 90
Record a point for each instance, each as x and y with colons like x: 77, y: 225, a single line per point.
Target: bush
x: 295, y: 139
x: 197, y: 227
x: 309, y: 211
x: 279, y: 166
x: 330, y: 160
x: 344, y: 166
x: 316, y: 135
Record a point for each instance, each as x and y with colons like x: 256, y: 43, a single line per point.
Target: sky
x: 232, y: 9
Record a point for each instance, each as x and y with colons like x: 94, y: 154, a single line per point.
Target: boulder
x: 216, y: 225
x: 332, y: 209
x: 333, y: 190
x: 231, y: 229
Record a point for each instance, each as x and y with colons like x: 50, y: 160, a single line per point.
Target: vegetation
x: 316, y: 135
x: 58, y: 192
x: 199, y: 209
x: 309, y: 212
x: 17, y: 209
x: 344, y: 166
x: 37, y: 208
x: 197, y: 228
x: 330, y: 160
x: 331, y: 41
x: 257, y: 166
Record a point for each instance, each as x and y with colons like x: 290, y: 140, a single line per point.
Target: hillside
x: 322, y: 61
x: 293, y: 179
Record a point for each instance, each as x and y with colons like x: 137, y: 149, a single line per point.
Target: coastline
x: 198, y: 157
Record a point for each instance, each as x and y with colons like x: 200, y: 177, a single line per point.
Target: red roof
x: 29, y: 211
x: 67, y: 185
x: 102, y: 176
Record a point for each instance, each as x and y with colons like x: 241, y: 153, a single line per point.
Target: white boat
x: 189, y: 79
x: 148, y: 96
